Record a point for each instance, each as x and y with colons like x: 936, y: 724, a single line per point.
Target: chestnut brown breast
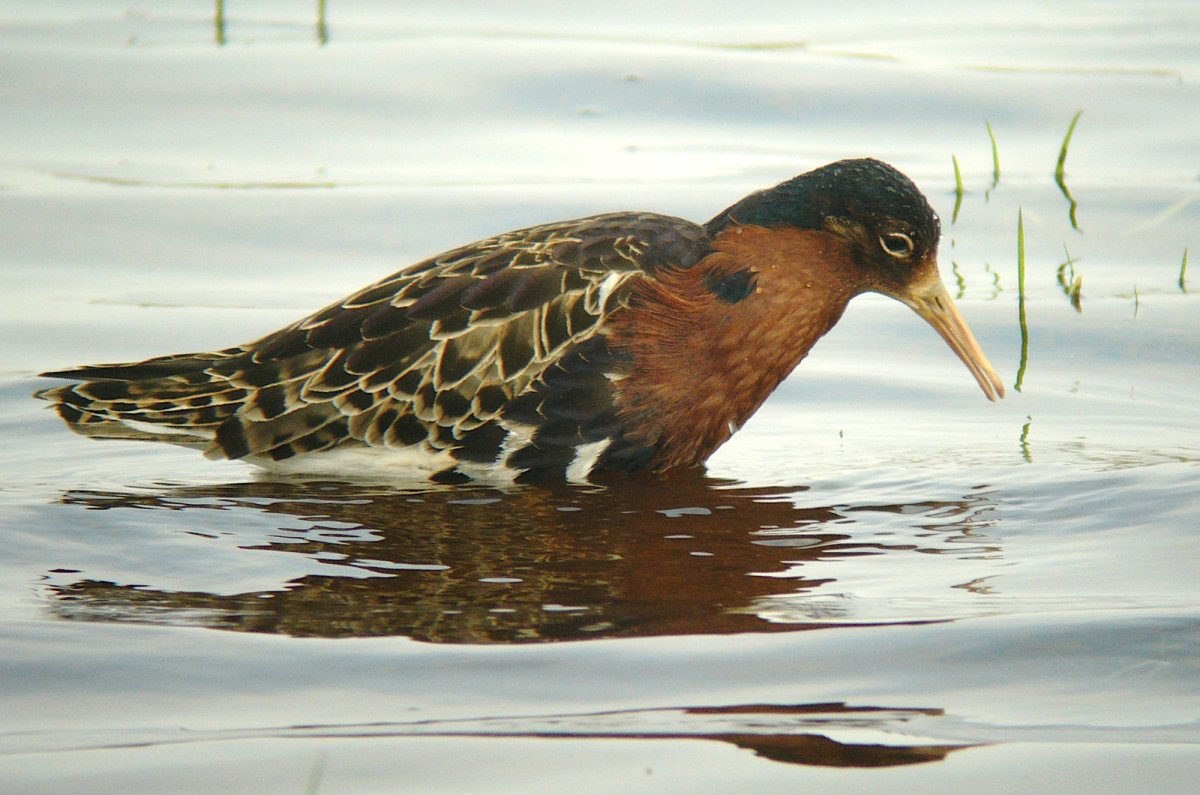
x: 701, y: 363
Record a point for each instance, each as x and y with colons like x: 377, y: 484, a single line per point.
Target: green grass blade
x: 219, y: 23
x: 1058, y: 169
x: 322, y: 27
x: 1021, y: 301
x: 1183, y: 273
x: 958, y: 189
x: 1062, y: 152
x: 995, y: 155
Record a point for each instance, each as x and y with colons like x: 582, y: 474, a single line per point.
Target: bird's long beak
x: 927, y: 297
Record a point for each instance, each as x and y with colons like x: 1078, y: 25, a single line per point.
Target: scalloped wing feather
x: 429, y: 358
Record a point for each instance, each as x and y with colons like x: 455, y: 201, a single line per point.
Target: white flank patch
x: 518, y: 437
x: 488, y: 473
x: 162, y: 429
x: 359, y: 460
x: 416, y: 464
x: 586, y: 456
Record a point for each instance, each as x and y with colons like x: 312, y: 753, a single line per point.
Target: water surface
x: 883, y: 581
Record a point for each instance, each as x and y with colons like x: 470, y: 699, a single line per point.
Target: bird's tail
x: 228, y: 403
x: 178, y: 399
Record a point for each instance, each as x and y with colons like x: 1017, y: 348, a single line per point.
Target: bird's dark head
x: 878, y: 213
x: 887, y: 231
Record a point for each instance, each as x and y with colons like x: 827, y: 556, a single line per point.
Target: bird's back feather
x: 490, y: 355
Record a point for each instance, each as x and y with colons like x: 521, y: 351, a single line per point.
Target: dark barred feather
x: 493, y: 354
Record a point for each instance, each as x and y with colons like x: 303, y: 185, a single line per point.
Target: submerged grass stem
x: 1070, y: 281
x: 1183, y: 272
x: 1024, y: 440
x: 959, y: 282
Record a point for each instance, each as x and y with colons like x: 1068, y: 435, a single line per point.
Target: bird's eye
x: 897, y: 244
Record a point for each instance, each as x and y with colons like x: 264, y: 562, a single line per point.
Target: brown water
x: 882, y: 582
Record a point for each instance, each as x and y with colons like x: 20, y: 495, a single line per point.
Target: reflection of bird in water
x: 617, y: 342
x: 483, y: 565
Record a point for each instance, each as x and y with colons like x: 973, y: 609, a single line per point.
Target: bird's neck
x: 702, y: 364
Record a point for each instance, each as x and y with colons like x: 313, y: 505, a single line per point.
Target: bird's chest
x: 699, y: 374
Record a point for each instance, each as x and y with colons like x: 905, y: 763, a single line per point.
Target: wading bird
x: 618, y: 342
